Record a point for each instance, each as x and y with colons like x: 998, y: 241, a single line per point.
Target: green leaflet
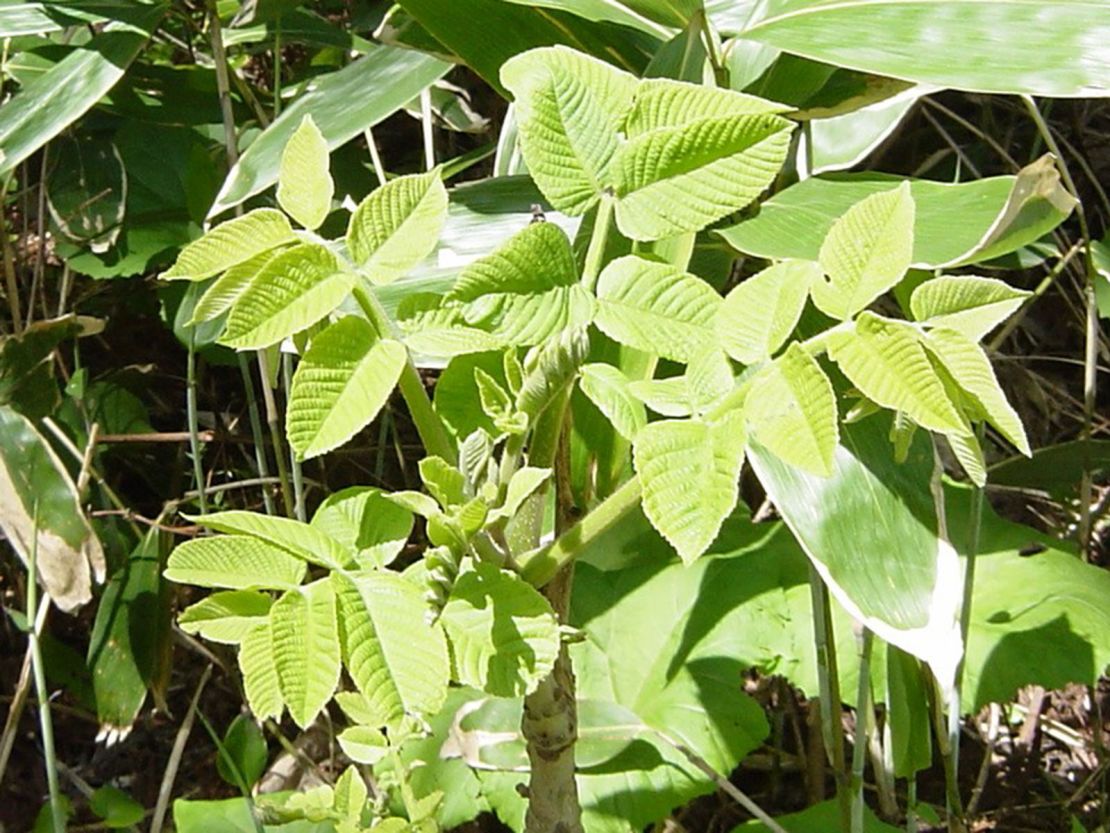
x: 230, y: 244
x: 260, y: 678
x: 292, y: 292
x: 761, y: 313
x: 397, y: 226
x: 671, y: 457
x: 662, y: 102
x: 393, y: 655
x: 227, y: 616
x: 235, y: 562
x: 609, y: 390
x: 791, y: 410
x: 966, y: 303
x: 673, y: 180
x: 503, y: 633
x: 885, y: 360
x: 527, y: 289
x: 294, y: 537
x: 435, y: 327
x: 342, y: 382
x: 866, y: 252
x: 656, y: 308
x: 365, y: 523
x: 305, y: 642
x: 569, y: 110
x: 522, y: 485
x: 970, y: 368
x: 222, y: 294
x: 305, y: 187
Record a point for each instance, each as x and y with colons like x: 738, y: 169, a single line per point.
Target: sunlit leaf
x: 305, y: 186
x: 759, y: 314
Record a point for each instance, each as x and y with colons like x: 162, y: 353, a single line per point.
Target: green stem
x: 256, y: 431
x: 191, y: 416
x: 828, y: 678
x: 38, y: 669
x: 273, y: 422
x: 859, y: 748
x: 595, y: 254
x: 294, y: 463
x: 429, y: 426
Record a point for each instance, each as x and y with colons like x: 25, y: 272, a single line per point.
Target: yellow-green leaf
x: 305, y: 187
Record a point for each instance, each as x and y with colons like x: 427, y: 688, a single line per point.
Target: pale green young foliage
x: 569, y: 110
x: 397, y: 226
x: 433, y: 326
x: 866, y: 252
x: 363, y: 744
x: 670, y: 397
x: 227, y: 616
x: 522, y: 485
x: 689, y: 471
x: 609, y: 390
x: 305, y: 638
x: 886, y: 361
x: 656, y: 308
x: 229, y: 244
x: 305, y: 187
x: 791, y: 409
x: 679, y: 179
x: 235, y: 562
x: 226, y: 289
x: 260, y: 678
x: 527, y: 290
x: 362, y: 520
x: 966, y: 303
x: 504, y: 636
x: 296, y: 538
x: 761, y: 313
x: 662, y: 102
x: 291, y: 292
x: 342, y: 382
x: 394, y: 657
x: 970, y: 368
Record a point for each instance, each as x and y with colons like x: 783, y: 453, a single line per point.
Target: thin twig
x: 22, y: 689
x: 166, y: 788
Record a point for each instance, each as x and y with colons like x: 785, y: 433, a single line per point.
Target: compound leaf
x: 305, y: 187
x: 758, y: 315
x: 305, y: 635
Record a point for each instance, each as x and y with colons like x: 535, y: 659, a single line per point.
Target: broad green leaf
x: 526, y: 290
x: 116, y: 807
x: 1056, y: 469
x: 48, y: 104
x: 222, y: 294
x: 843, y: 141
x: 40, y: 508
x: 229, y: 244
x: 343, y: 104
x: 305, y: 186
x: 374, y: 529
x: 1052, y: 48
x: 866, y: 252
x: 294, y: 291
x: 227, y: 616
x: 966, y: 303
x: 603, y: 11
x: 260, y: 677
x: 819, y: 818
x: 952, y: 222
x: 672, y: 455
x: 873, y: 532
x: 363, y: 744
x: 393, y: 655
x: 609, y: 390
x: 245, y: 746
x: 662, y: 102
x: 235, y: 562
x: 569, y: 108
x: 291, y: 535
x: 27, y: 364
x: 342, y: 382
x: 969, y: 366
x: 673, y: 180
x: 656, y: 308
x: 886, y: 361
x: 758, y: 315
x: 503, y: 634
x: 465, y: 29
x: 305, y: 636
x: 129, y: 648
x: 397, y: 226
x: 791, y: 410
